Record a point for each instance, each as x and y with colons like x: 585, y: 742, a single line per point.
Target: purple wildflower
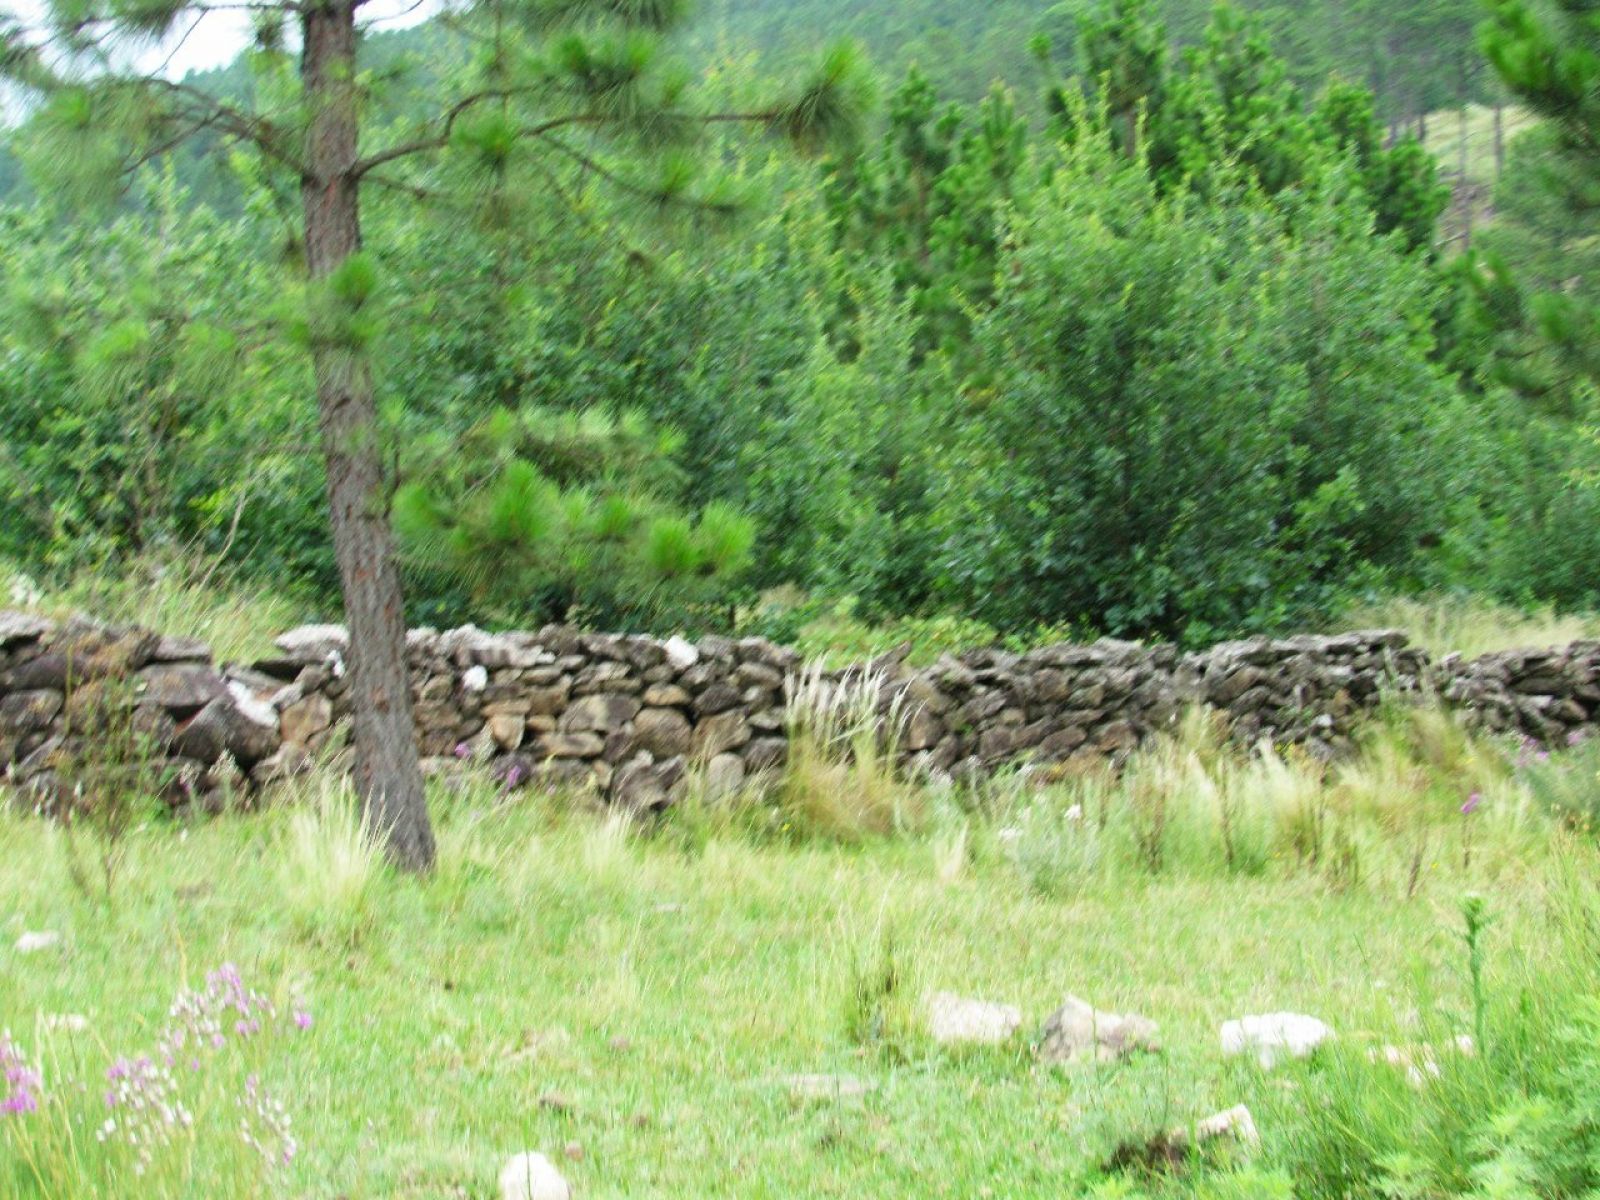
x: 1531, y: 752
x: 1576, y: 738
x: 146, y: 1109
x: 1471, y: 806
x: 463, y: 750
x: 22, y: 1082
x: 196, y: 1018
x: 147, y: 1098
x: 265, y: 1125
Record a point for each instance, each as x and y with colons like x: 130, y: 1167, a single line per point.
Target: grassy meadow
x: 637, y: 1001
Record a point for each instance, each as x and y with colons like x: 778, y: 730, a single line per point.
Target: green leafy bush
x: 1187, y: 419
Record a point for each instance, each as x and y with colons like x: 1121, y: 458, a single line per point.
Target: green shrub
x: 1190, y: 415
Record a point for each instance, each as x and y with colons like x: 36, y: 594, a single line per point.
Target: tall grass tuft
x: 1060, y: 839
x: 880, y: 1007
x: 1472, y: 626
x: 332, y: 866
x: 1567, y: 785
x: 1197, y: 804
x: 184, y: 594
x: 841, y: 780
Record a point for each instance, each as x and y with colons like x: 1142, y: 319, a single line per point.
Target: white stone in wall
x: 681, y: 653
x: 255, y: 710
x: 313, y: 643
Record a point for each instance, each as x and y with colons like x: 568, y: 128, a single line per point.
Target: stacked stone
x: 1551, y: 696
x: 627, y: 715
x: 205, y: 728
x: 1304, y: 690
x: 969, y: 713
x: 624, y: 713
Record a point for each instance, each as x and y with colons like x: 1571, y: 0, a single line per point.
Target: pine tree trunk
x: 388, y: 775
x: 1130, y: 133
x: 1499, y: 140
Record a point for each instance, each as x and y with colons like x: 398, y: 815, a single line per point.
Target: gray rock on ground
x: 724, y: 776
x: 313, y: 643
x: 1078, y: 1032
x: 1235, y: 1123
x: 1177, y: 1144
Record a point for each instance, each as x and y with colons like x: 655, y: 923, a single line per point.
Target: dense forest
x: 1108, y: 315
x: 1416, y: 56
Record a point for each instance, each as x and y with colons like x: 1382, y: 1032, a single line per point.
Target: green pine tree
x: 553, y: 88
x: 553, y: 515
x: 930, y: 202
x: 1122, y: 50
x: 1548, y: 56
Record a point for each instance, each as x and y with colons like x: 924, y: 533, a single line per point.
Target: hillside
x: 1411, y: 54
x: 1415, y: 57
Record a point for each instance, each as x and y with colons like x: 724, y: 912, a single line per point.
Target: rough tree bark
x: 387, y: 772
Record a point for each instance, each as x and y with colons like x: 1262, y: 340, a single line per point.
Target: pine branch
x: 180, y: 44
x: 268, y: 137
x: 657, y: 196
x: 445, y: 125
x: 401, y: 15
x: 414, y: 190
x: 121, y: 20
x: 656, y: 15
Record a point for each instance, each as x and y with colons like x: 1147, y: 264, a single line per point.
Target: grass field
x: 634, y: 1002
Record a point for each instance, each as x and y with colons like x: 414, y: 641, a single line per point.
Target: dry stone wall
x: 630, y: 715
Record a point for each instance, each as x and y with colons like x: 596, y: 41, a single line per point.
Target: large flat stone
x: 180, y: 687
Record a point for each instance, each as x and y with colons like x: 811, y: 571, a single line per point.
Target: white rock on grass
x: 953, y: 1019
x: 1272, y: 1037
x: 66, y: 1022
x: 531, y: 1176
x: 33, y: 941
x: 1235, y: 1123
x: 1421, y: 1063
x: 1176, y: 1146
